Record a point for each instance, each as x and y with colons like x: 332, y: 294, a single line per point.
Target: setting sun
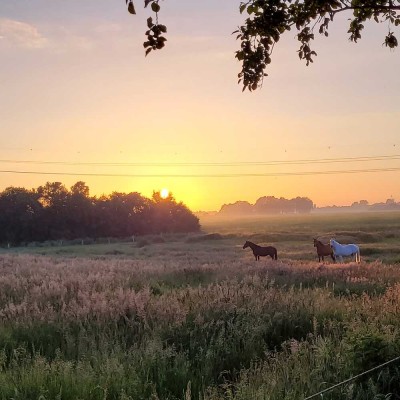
x: 164, y: 193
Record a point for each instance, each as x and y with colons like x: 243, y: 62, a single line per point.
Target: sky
x: 78, y: 100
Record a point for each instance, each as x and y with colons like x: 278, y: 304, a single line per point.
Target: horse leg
x: 333, y: 257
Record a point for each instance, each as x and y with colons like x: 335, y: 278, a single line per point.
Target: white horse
x: 341, y: 250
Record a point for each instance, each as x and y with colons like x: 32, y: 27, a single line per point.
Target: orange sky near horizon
x: 76, y: 88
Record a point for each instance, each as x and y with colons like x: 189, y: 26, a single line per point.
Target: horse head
x: 247, y: 244
x: 315, y: 242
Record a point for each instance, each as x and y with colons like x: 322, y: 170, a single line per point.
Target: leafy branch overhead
x: 155, y: 39
x: 267, y: 20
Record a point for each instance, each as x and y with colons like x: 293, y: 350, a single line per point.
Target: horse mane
x: 253, y: 244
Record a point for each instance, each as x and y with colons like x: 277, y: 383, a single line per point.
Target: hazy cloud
x: 66, y: 39
x: 21, y: 34
x: 108, y: 28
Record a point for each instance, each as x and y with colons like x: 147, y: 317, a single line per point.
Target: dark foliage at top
x: 54, y: 212
x: 268, y: 19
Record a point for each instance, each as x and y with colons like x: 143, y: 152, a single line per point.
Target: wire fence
x: 378, y: 367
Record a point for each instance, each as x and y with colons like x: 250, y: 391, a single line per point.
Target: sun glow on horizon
x: 207, y: 141
x: 164, y: 193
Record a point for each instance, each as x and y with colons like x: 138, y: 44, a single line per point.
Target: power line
x: 211, y: 164
x: 234, y: 175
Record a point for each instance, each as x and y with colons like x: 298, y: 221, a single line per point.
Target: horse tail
x: 276, y: 254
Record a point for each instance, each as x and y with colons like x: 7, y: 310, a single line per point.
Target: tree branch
x: 373, y: 8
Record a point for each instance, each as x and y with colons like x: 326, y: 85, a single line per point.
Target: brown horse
x: 323, y: 250
x: 262, y: 251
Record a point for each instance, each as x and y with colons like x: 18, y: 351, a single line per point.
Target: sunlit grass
x: 109, y: 328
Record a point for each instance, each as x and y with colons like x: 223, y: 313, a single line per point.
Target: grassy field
x: 196, y: 317
x: 377, y: 234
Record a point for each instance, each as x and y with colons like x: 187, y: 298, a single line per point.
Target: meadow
x: 196, y: 317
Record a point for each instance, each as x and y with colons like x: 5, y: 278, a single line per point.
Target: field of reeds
x: 196, y: 317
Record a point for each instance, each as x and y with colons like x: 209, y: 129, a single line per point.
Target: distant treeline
x: 269, y: 205
x: 363, y: 205
x: 53, y: 212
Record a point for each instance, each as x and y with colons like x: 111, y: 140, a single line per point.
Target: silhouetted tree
x: 302, y: 205
x: 20, y: 213
x: 271, y: 205
x: 80, y: 189
x: 54, y: 212
x: 237, y: 208
x: 80, y: 211
x: 54, y: 196
x: 126, y: 214
x: 170, y: 216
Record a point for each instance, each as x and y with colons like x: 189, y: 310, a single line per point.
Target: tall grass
x: 199, y: 327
